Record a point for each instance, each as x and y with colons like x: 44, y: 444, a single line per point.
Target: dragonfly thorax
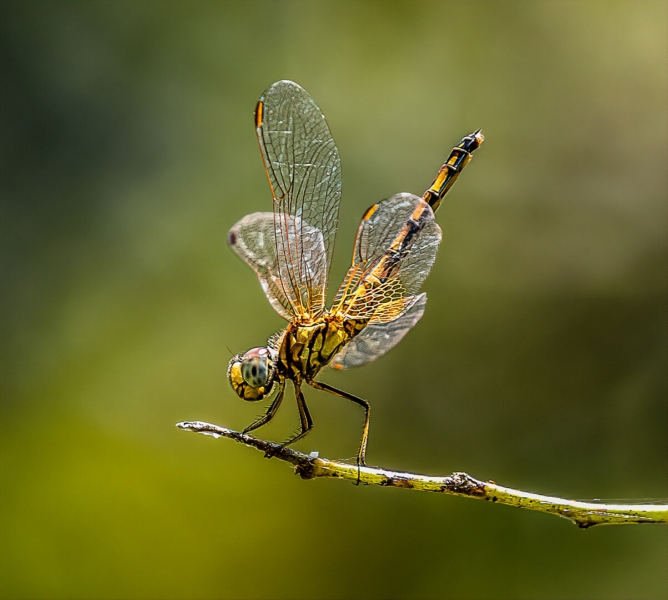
x: 306, y: 349
x: 252, y: 374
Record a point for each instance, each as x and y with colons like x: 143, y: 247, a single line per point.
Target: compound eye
x: 255, y: 367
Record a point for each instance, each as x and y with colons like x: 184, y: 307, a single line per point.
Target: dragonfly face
x: 290, y: 249
x: 252, y: 375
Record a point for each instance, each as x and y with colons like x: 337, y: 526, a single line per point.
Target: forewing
x: 395, y: 248
x: 304, y: 172
x: 254, y: 240
x: 377, y: 338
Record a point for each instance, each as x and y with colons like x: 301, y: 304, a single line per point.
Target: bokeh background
x: 128, y: 151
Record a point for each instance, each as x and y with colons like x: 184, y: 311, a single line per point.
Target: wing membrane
x: 378, y: 338
x: 253, y: 239
x: 304, y: 172
x: 395, y: 248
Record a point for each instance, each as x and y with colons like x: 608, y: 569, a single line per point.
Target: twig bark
x: 583, y: 514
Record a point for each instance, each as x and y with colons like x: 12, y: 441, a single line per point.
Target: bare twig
x: 584, y: 514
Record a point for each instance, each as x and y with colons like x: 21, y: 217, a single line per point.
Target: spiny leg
x: 304, y: 416
x: 271, y: 411
x: 361, y: 454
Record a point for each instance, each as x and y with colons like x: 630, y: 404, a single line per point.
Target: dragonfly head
x: 252, y: 375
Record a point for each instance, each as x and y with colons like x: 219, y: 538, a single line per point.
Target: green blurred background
x: 128, y: 151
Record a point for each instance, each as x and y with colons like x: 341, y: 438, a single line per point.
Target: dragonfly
x: 290, y: 249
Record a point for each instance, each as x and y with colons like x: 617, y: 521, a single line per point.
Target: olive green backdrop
x: 128, y: 151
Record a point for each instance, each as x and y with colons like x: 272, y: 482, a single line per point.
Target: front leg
x: 271, y: 411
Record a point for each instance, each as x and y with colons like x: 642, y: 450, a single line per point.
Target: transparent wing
x: 304, y: 172
x: 253, y: 239
x: 378, y: 338
x: 395, y: 248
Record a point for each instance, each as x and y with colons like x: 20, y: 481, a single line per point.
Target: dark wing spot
x: 254, y: 371
x: 232, y: 238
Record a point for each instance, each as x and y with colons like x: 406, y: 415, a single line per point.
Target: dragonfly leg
x: 361, y: 454
x: 271, y: 411
x: 304, y: 417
